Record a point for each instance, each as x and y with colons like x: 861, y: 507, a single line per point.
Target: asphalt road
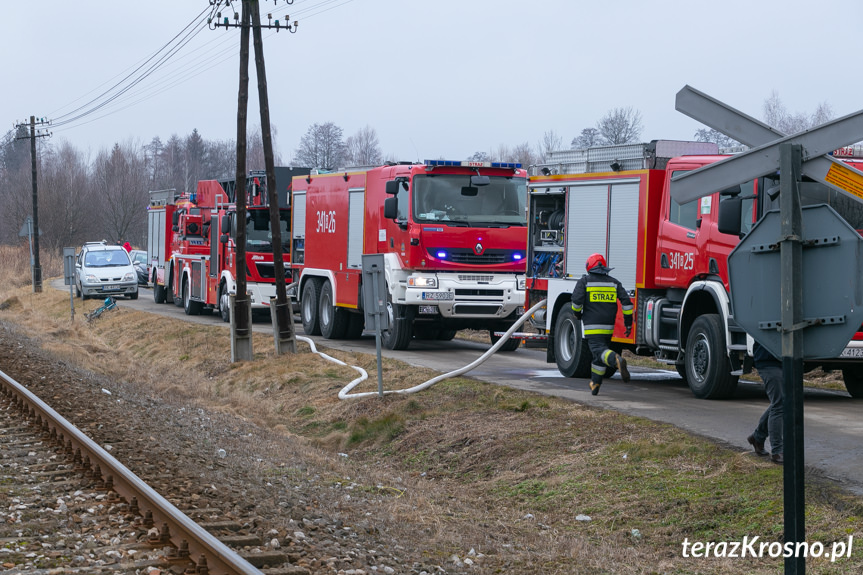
x: 833, y: 425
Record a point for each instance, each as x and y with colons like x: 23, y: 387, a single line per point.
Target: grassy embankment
x: 476, y: 465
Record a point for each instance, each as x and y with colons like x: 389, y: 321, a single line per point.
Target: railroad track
x: 71, y: 507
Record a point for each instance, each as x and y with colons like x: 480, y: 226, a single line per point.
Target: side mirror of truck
x: 730, y: 216
x: 223, y: 238
x: 392, y: 187
x: 226, y: 223
x: 391, y: 205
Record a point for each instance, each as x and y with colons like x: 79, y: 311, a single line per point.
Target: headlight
x: 91, y: 279
x: 422, y: 281
x: 522, y: 284
x: 129, y: 277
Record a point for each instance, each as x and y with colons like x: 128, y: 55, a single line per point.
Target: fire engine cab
x: 453, y: 238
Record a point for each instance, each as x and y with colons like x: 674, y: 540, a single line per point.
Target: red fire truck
x: 192, y: 243
x: 615, y: 200
x: 453, y: 237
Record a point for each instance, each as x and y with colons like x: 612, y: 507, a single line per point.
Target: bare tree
x: 120, y: 180
x: 523, y: 154
x: 715, y: 136
x: 588, y: 138
x: 479, y: 157
x: 66, y: 200
x: 620, y: 126
x: 550, y: 142
x: 778, y: 116
x: 321, y: 147
x: 363, y: 149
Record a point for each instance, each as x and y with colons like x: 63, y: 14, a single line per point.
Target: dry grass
x: 473, y: 465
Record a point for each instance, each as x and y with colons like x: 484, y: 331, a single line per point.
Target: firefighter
x: 594, y: 302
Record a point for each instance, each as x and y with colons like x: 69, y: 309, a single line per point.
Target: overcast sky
x: 434, y: 79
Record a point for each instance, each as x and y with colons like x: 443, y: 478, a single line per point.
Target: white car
x: 105, y: 270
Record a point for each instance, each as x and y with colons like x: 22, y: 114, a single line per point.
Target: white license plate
x: 852, y: 352
x: 110, y: 288
x: 438, y: 295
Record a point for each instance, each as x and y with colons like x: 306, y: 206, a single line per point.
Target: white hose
x: 344, y: 393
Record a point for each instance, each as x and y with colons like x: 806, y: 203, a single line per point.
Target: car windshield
x: 102, y: 259
x: 451, y: 199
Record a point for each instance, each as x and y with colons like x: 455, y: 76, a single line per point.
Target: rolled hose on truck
x: 345, y: 392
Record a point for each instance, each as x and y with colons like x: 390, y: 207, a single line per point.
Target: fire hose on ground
x: 345, y: 392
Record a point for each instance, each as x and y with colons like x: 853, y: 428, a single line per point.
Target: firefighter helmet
x: 594, y: 260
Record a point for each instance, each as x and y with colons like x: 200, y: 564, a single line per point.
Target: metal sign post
x: 69, y: 276
x: 791, y: 295
x: 374, y: 304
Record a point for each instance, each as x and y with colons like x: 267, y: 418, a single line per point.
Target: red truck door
x: 681, y: 240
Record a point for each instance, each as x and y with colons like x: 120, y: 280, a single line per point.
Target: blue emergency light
x: 468, y: 164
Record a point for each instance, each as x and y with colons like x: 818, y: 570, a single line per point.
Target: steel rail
x: 189, y: 538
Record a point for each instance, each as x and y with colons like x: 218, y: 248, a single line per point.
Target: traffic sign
x: 832, y: 310
x: 27, y: 228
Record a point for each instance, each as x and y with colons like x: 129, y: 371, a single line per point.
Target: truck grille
x: 468, y: 256
x: 479, y: 292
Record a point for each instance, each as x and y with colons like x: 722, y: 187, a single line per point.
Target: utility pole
x: 241, y: 313
x: 36, y: 270
x: 284, y: 317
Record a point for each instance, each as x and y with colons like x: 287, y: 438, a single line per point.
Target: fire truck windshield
x: 451, y: 199
x: 258, y: 236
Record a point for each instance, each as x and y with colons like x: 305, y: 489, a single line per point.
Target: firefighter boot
x: 621, y: 367
x: 595, y: 382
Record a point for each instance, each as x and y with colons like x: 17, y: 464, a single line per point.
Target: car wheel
x: 133, y: 295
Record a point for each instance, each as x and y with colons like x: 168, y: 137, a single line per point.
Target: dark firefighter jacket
x: 594, y: 302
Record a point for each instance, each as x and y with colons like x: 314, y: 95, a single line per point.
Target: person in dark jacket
x: 771, y: 421
x: 594, y: 302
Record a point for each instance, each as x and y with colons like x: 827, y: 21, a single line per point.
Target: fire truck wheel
x: 159, y: 292
x: 511, y: 344
x: 571, y: 352
x: 333, y: 320
x: 224, y: 303
x: 708, y: 370
x: 356, y: 323
x: 190, y: 306
x: 401, y: 332
x: 309, y: 313
x: 853, y: 376
x: 446, y: 334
